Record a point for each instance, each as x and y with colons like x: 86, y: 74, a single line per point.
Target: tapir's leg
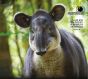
x: 28, y: 71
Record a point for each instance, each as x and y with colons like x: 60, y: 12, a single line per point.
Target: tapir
x: 53, y: 53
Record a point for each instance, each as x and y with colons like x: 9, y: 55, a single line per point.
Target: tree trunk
x: 49, y: 4
x: 39, y: 4
x: 5, y: 58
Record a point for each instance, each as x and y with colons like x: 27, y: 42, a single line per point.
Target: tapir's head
x: 43, y: 34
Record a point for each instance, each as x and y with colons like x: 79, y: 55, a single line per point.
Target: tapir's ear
x: 57, y: 12
x: 22, y: 19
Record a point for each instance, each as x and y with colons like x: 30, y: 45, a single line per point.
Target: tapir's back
x: 74, y: 54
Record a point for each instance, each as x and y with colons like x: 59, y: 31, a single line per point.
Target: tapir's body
x: 57, y: 64
x: 53, y: 53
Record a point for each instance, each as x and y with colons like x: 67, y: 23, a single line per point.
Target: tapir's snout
x: 41, y: 42
x: 41, y: 52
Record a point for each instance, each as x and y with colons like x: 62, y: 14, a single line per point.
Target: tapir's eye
x: 51, y: 33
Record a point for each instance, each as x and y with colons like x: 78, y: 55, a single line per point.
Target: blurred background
x: 14, y: 39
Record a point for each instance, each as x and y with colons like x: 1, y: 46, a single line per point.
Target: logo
x: 76, y: 18
x: 80, y: 8
x: 79, y: 11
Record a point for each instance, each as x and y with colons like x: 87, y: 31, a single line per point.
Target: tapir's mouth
x: 41, y: 52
